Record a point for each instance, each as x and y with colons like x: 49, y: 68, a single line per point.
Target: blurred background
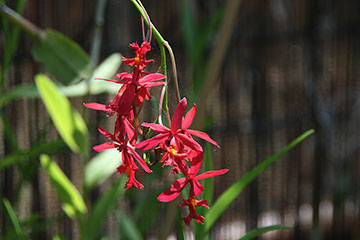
x: 262, y: 73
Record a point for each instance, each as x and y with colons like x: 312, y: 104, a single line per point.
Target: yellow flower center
x: 173, y: 152
x: 137, y: 60
x: 193, y: 202
x: 128, y: 170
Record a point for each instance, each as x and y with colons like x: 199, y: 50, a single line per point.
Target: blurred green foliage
x: 74, y: 73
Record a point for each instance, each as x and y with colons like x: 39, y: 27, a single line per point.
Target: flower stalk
x: 162, y: 45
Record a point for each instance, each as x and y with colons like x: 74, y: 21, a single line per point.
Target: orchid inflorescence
x: 178, y: 148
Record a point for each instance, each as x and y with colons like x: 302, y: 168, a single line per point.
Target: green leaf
x: 101, y: 167
x: 189, y: 28
x: 8, y: 133
x: 180, y: 231
x: 11, y: 33
x: 59, y: 237
x: 234, y: 190
x: 18, y: 92
x: 71, y: 200
x: 257, y: 232
x: 128, y: 227
x: 103, y: 207
x: 19, y: 232
x: 208, y: 182
x: 64, y: 59
x: 107, y: 69
x: 32, y: 152
x: 68, y: 122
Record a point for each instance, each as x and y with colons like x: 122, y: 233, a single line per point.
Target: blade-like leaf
x: 64, y: 59
x: 58, y: 237
x: 180, y: 231
x: 68, y: 122
x: 103, y: 207
x: 70, y: 198
x: 32, y: 153
x: 257, y: 232
x: 101, y: 167
x: 208, y: 182
x: 18, y: 92
x: 129, y: 228
x: 234, y: 190
x: 19, y: 232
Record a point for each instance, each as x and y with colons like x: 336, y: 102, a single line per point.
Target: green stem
x: 17, y: 19
x: 11, y: 40
x: 161, y: 41
x: 163, y: 67
x: 173, y: 64
x: 99, y: 23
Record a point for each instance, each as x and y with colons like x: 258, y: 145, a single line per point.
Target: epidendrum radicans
x: 179, y: 150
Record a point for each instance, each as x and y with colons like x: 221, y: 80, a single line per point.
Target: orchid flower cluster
x: 176, y: 144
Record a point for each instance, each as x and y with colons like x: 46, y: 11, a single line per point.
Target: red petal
x: 189, y: 141
x: 178, y: 115
x: 139, y: 160
x: 104, y: 146
x: 110, y: 80
x: 134, y: 46
x: 130, y: 131
x: 152, y: 142
x: 125, y: 101
x: 197, y: 187
x: 174, y: 190
x: 152, y: 77
x: 145, y: 47
x: 153, y: 84
x: 202, y: 203
x: 189, y: 117
x: 211, y: 174
x: 124, y: 76
x: 141, y: 94
x: 131, y: 175
x: 107, y: 134
x: 203, y: 135
x: 187, y: 219
x: 156, y: 127
x: 96, y: 106
x: 129, y: 61
x: 196, y: 164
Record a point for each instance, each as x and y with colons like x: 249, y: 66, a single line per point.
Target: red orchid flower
x: 174, y: 156
x: 122, y: 105
x: 195, y: 187
x: 181, y: 135
x: 128, y: 153
x: 130, y: 172
x: 186, y: 123
x: 139, y: 60
x: 136, y: 79
x: 142, y: 83
x: 192, y: 203
x: 121, y: 144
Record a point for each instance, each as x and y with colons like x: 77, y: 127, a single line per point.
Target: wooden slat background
x: 290, y: 66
